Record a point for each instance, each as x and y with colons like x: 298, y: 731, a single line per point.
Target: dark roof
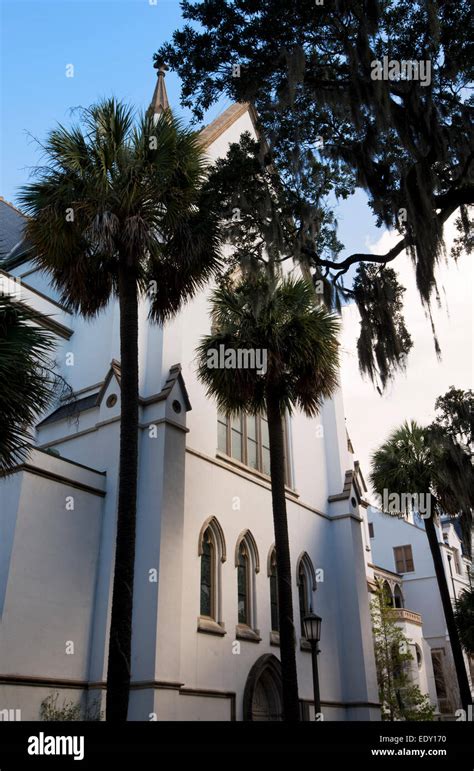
x: 12, y: 223
x: 70, y: 410
x: 73, y: 408
x: 176, y: 376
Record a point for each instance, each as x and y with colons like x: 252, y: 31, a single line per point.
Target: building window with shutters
x: 403, y: 559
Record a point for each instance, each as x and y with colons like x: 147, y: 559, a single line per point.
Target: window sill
x: 250, y: 470
x: 209, y: 626
x: 244, y: 632
x: 275, y: 638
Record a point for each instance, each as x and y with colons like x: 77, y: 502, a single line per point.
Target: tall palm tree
x: 117, y: 211
x: 28, y: 383
x: 417, y: 460
x: 279, y: 316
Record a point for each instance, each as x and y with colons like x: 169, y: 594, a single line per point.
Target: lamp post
x: 312, y: 629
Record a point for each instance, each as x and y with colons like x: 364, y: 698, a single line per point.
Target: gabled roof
x: 115, y: 369
x: 175, y: 376
x: 12, y: 224
x: 74, y: 407
x: 213, y: 131
x: 353, y: 479
x: 70, y: 410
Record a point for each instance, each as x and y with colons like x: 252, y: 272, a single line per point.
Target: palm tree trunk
x: 120, y: 643
x: 291, y: 707
x: 463, y: 683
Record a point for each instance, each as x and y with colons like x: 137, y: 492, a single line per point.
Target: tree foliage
x: 28, y: 380
x: 278, y: 315
x: 307, y: 68
x: 384, y: 340
x: 464, y: 615
x: 421, y: 460
x: 117, y: 189
x: 456, y: 416
x: 452, y: 434
x: 51, y: 710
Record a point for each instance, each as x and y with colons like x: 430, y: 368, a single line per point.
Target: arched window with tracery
x: 212, y: 551
x: 306, y: 581
x: 398, y: 597
x: 243, y: 581
x: 273, y: 576
x: 208, y: 584
x: 247, y: 562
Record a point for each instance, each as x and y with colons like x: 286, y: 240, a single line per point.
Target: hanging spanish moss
x: 384, y: 341
x: 351, y: 93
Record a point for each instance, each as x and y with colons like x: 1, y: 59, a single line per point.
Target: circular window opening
x: 354, y: 503
x: 111, y: 400
x: 419, y: 657
x: 176, y: 406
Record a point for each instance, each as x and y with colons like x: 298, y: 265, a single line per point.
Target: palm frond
x: 114, y: 189
x: 281, y: 318
x: 28, y: 383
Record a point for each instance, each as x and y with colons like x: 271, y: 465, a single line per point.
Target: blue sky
x: 110, y: 43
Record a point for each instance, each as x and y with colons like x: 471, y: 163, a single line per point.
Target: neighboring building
x: 205, y: 625
x: 380, y: 574
x: 400, y: 547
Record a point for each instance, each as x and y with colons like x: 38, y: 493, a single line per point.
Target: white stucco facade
x: 56, y: 562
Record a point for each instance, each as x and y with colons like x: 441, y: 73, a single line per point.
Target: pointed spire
x: 159, y: 103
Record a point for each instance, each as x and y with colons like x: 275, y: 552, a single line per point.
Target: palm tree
x: 279, y: 316
x: 28, y: 383
x: 417, y: 460
x: 116, y: 211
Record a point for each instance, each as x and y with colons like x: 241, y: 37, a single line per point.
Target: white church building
x: 205, y: 624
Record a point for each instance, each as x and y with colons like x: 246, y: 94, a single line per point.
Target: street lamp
x: 312, y: 630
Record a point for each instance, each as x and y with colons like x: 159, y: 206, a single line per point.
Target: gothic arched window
x: 398, y: 597
x: 306, y: 581
x: 212, y: 551
x: 208, y: 583
x: 243, y: 582
x: 273, y: 575
x: 248, y: 565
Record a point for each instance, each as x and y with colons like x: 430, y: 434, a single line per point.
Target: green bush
x: 50, y: 710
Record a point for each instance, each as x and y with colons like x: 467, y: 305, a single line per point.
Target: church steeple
x: 159, y: 103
